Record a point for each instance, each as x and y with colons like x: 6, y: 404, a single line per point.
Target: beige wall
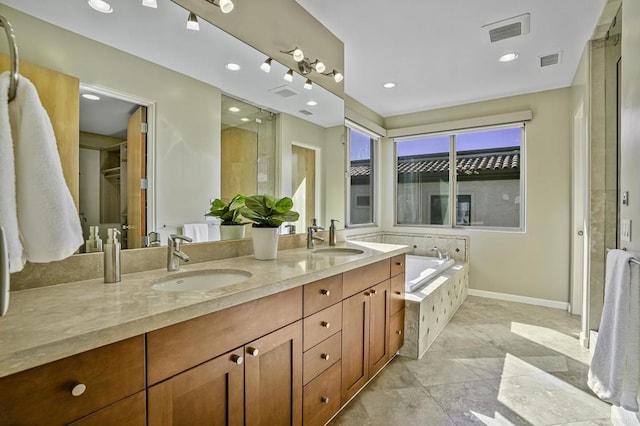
x: 630, y: 150
x: 534, y: 263
x: 187, y: 113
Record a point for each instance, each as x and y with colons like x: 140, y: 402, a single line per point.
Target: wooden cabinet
x: 273, y: 378
x: 379, y: 326
x: 73, y: 387
x: 322, y: 397
x: 130, y: 411
x: 355, y: 344
x: 211, y: 393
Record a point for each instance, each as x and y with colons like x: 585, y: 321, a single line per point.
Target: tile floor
x: 496, y: 363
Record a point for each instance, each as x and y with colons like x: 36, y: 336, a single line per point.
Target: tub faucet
x: 311, y: 238
x: 173, y: 252
x: 441, y: 255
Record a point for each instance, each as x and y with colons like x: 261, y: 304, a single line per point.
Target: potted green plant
x: 231, y: 223
x: 267, y: 214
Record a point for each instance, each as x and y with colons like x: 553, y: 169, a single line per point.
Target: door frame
x: 579, y: 297
x: 151, y: 142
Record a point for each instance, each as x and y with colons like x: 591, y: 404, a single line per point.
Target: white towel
x: 198, y: 232
x: 8, y: 212
x: 614, y: 374
x: 47, y: 216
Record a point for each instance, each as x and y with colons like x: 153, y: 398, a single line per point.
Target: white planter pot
x: 232, y: 232
x: 265, y: 243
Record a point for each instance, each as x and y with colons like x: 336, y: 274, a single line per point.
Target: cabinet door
x: 380, y: 296
x: 355, y: 344
x: 210, y: 394
x: 273, y: 378
x: 130, y: 411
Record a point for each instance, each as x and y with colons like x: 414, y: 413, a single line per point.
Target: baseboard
x: 522, y: 299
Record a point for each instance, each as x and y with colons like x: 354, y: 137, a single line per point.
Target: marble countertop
x: 49, y: 323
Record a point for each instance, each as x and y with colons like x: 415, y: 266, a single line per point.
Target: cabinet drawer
x: 321, y: 294
x: 360, y: 279
x: 179, y: 347
x: 109, y: 374
x: 321, y: 397
x: 397, y: 293
x: 397, y: 265
x: 396, y: 332
x: 321, y: 357
x: 131, y: 411
x: 321, y: 325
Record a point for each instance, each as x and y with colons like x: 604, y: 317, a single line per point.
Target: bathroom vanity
x: 291, y: 345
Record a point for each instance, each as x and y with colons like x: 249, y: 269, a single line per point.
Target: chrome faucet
x: 441, y: 255
x: 173, y: 252
x: 311, y: 238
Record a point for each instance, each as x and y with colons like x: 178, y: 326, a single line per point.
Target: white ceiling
x: 439, y: 55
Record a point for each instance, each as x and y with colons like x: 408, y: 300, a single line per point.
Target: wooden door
x: 380, y: 296
x: 209, y: 394
x: 136, y: 171
x: 60, y: 96
x: 239, y: 166
x: 303, y: 184
x: 355, y: 343
x: 273, y: 378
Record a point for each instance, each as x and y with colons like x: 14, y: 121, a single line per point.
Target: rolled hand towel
x: 47, y: 216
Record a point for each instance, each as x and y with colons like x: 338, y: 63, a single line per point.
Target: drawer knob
x: 253, y: 351
x: 399, y: 293
x: 78, y: 389
x: 325, y: 356
x: 237, y: 359
x: 373, y: 291
x: 398, y: 263
x: 325, y: 292
x: 324, y: 399
x: 325, y: 324
x: 398, y: 331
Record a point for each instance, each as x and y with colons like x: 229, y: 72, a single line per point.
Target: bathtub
x: 422, y: 269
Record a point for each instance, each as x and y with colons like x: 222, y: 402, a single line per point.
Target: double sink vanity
x: 234, y: 341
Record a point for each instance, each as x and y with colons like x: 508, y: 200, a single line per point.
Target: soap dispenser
x: 332, y: 232
x: 112, y: 257
x: 94, y: 243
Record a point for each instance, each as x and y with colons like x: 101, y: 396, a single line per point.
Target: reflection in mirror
x: 169, y: 69
x: 112, y: 165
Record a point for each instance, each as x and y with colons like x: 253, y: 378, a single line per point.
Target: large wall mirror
x: 197, y: 148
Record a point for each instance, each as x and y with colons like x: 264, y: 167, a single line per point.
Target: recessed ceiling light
x: 508, y: 57
x: 234, y: 109
x: 232, y: 67
x: 150, y: 3
x: 91, y: 97
x: 101, y: 6
x: 389, y: 85
x: 245, y: 119
x: 312, y: 103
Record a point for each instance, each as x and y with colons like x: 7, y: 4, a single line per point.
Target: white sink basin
x: 339, y: 251
x: 208, y: 279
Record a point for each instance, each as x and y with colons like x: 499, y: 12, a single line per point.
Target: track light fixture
x: 226, y: 6
x: 337, y: 76
x: 308, y: 84
x: 192, y: 22
x: 306, y: 66
x: 266, y: 65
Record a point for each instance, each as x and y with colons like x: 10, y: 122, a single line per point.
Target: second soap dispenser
x: 112, y: 257
x: 332, y: 232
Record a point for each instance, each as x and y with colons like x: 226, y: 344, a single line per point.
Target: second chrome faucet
x: 174, y: 255
x: 311, y: 237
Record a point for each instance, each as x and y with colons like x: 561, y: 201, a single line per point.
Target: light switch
x: 625, y: 233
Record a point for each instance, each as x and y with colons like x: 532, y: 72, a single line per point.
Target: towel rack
x: 632, y: 260
x: 13, y: 54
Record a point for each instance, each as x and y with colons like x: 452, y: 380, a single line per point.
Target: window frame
x: 374, y: 195
x: 453, y: 180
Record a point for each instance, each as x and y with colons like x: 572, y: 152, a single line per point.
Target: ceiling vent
x: 551, y: 59
x: 508, y: 28
x: 284, y: 91
x: 305, y: 112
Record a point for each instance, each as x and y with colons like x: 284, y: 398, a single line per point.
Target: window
x: 362, y: 152
x: 486, y: 184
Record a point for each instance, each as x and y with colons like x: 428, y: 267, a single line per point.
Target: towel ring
x: 13, y: 53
